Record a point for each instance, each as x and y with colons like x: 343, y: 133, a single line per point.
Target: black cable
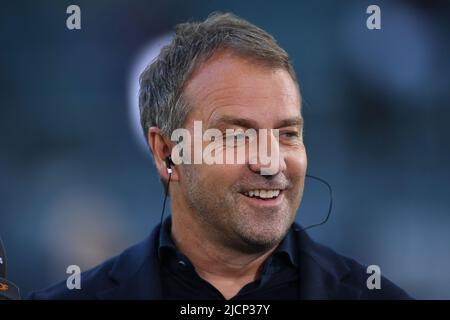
x: 330, y: 207
x: 165, y: 198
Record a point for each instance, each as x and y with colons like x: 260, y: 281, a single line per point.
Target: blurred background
x: 77, y: 184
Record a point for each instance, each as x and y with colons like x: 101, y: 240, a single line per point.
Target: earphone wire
x: 330, y: 207
x: 165, y: 198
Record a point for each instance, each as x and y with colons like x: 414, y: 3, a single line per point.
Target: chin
x: 262, y: 240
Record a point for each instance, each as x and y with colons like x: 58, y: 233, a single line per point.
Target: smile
x: 263, y: 194
x: 264, y: 198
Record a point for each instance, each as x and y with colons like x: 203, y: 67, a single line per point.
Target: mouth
x: 264, y: 197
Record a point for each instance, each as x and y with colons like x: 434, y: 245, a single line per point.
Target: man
x: 231, y: 234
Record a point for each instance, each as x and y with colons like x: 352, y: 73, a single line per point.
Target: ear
x: 161, y: 149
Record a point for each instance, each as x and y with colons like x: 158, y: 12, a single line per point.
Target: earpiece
x: 169, y: 163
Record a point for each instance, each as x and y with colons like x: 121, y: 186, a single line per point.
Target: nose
x: 267, y: 159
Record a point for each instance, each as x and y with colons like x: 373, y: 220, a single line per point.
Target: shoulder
x: 92, y: 281
x: 370, y: 281
x: 127, y: 268
x: 345, y: 277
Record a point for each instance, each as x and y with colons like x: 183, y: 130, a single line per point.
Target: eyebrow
x: 250, y: 123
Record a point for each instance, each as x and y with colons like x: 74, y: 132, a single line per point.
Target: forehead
x: 227, y: 85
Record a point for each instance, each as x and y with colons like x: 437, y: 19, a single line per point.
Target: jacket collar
x: 322, y: 271
x: 136, y: 272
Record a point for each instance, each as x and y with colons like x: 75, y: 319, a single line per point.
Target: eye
x: 290, y: 134
x: 236, y: 138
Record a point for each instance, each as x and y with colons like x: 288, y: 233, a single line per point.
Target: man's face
x: 228, y: 92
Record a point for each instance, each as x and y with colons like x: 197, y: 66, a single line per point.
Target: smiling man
x: 231, y: 233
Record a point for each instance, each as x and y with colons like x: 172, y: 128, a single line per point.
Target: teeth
x: 264, y: 194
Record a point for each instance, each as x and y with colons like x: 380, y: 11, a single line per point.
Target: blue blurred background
x: 77, y: 184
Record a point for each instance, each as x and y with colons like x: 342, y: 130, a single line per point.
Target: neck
x: 228, y: 270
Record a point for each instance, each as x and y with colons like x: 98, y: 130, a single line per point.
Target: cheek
x: 219, y: 177
x: 303, y: 162
x: 297, y: 165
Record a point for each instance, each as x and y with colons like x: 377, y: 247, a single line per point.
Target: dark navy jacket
x: 135, y: 274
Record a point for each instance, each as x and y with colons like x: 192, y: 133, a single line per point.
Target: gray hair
x: 161, y: 100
